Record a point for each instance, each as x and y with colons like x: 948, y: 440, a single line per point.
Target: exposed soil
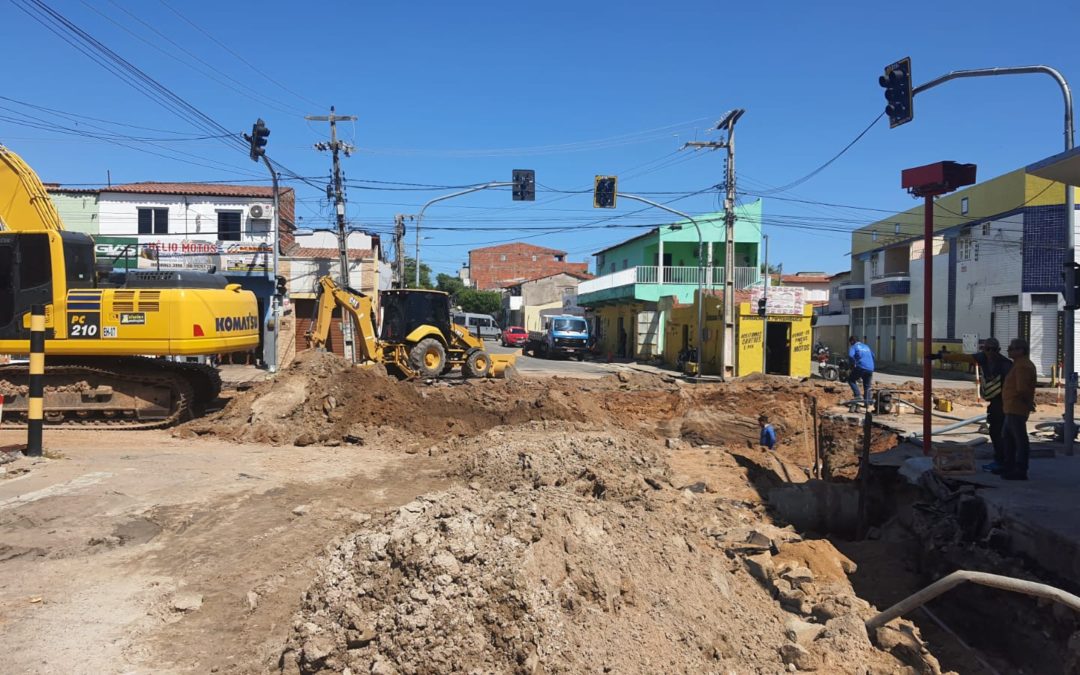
x: 547, y: 525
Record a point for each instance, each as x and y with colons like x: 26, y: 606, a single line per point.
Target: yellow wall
x: 749, y: 329
x: 686, y: 315
x: 532, y: 315
x: 607, y: 321
x: 998, y: 195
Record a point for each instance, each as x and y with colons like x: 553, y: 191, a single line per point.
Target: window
x: 873, y: 236
x: 899, y: 315
x: 153, y: 221
x: 873, y: 265
x: 896, y: 228
x: 967, y: 249
x: 856, y: 321
x: 986, y: 229
x: 258, y: 227
x: 559, y: 258
x: 625, y: 263
x: 964, y: 206
x: 502, y: 258
x: 228, y: 226
x: 534, y: 258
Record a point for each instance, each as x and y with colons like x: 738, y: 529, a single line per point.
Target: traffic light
x: 524, y: 185
x: 761, y: 306
x: 897, y: 84
x: 282, y: 285
x: 1072, y: 291
x: 259, y: 132
x: 605, y: 189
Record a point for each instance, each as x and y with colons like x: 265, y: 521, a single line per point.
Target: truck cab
x: 562, y: 334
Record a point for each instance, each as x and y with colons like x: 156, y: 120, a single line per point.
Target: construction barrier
x: 35, y: 406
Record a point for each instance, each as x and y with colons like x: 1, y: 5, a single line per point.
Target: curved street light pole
x: 423, y: 208
x: 700, y: 276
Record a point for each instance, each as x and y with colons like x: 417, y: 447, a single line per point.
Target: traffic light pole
x: 420, y: 215
x: 700, y: 275
x: 271, y: 350
x: 1070, y: 226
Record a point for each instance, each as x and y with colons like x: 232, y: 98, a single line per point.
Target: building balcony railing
x: 670, y: 276
x: 856, y: 291
x: 890, y: 283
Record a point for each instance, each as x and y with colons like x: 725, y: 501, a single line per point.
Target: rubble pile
x: 567, y: 550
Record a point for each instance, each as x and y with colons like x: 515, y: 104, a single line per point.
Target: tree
x: 480, y: 302
x: 410, y: 274
x: 449, y: 284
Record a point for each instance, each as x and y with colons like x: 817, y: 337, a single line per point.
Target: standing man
x: 862, y: 368
x: 1018, y: 401
x: 995, y: 368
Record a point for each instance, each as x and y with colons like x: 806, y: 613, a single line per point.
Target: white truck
x: 563, y: 334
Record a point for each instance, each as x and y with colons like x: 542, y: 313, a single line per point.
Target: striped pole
x: 35, y: 407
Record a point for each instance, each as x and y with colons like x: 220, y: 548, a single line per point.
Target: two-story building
x: 632, y: 277
x: 997, y: 258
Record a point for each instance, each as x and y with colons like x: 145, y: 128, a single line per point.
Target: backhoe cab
x: 418, y: 339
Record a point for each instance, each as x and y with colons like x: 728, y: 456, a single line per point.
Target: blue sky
x: 457, y: 93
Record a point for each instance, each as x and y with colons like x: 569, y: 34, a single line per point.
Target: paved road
x: 528, y: 365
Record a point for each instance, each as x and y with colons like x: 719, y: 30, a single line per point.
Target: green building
x: 633, y: 276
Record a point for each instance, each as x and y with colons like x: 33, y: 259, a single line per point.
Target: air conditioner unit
x: 259, y: 211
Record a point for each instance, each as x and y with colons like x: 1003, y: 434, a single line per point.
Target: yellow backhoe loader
x: 101, y: 336
x: 418, y: 338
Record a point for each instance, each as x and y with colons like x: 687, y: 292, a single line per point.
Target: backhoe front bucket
x: 499, y: 364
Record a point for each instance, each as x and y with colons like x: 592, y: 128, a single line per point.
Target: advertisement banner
x: 781, y: 299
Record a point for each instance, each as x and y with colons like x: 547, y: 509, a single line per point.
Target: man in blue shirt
x: 768, y: 434
x: 862, y: 368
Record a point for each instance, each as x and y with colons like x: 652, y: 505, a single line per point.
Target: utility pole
x: 335, y: 146
x: 727, y: 123
x: 765, y: 315
x: 399, y: 251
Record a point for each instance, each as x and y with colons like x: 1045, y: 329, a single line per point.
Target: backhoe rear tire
x: 477, y: 364
x: 428, y: 357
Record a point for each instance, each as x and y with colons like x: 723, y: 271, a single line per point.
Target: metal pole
x: 700, y: 276
x: 423, y: 208
x: 765, y: 317
x: 928, y: 315
x: 35, y: 408
x: 1070, y: 223
x: 275, y: 299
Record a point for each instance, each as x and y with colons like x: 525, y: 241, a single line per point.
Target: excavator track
x: 124, y: 393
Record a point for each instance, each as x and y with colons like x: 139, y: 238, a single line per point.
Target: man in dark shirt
x: 994, y: 367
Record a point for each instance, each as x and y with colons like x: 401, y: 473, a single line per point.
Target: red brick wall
x: 489, y: 271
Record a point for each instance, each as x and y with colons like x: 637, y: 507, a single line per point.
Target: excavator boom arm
x: 356, y: 305
x: 25, y: 205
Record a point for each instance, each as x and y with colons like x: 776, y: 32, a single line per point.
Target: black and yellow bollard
x: 35, y: 406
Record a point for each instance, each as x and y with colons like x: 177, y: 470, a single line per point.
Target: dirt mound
x: 534, y: 568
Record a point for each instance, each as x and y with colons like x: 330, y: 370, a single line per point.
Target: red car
x: 514, y: 336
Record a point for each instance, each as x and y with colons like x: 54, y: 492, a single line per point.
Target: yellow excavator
x: 418, y: 338
x: 102, y: 334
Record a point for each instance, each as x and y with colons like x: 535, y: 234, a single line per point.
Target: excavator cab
x: 405, y: 311
x: 26, y: 274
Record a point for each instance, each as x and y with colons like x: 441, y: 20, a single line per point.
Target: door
x: 1044, y: 309
x: 1005, y: 320
x: 778, y: 348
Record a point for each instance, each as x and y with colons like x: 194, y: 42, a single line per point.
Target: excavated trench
x: 913, y: 535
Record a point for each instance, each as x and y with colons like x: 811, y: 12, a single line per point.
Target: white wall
x: 997, y: 272
x: 360, y: 240
x: 304, y: 274
x: 941, y: 288
x: 192, y: 239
